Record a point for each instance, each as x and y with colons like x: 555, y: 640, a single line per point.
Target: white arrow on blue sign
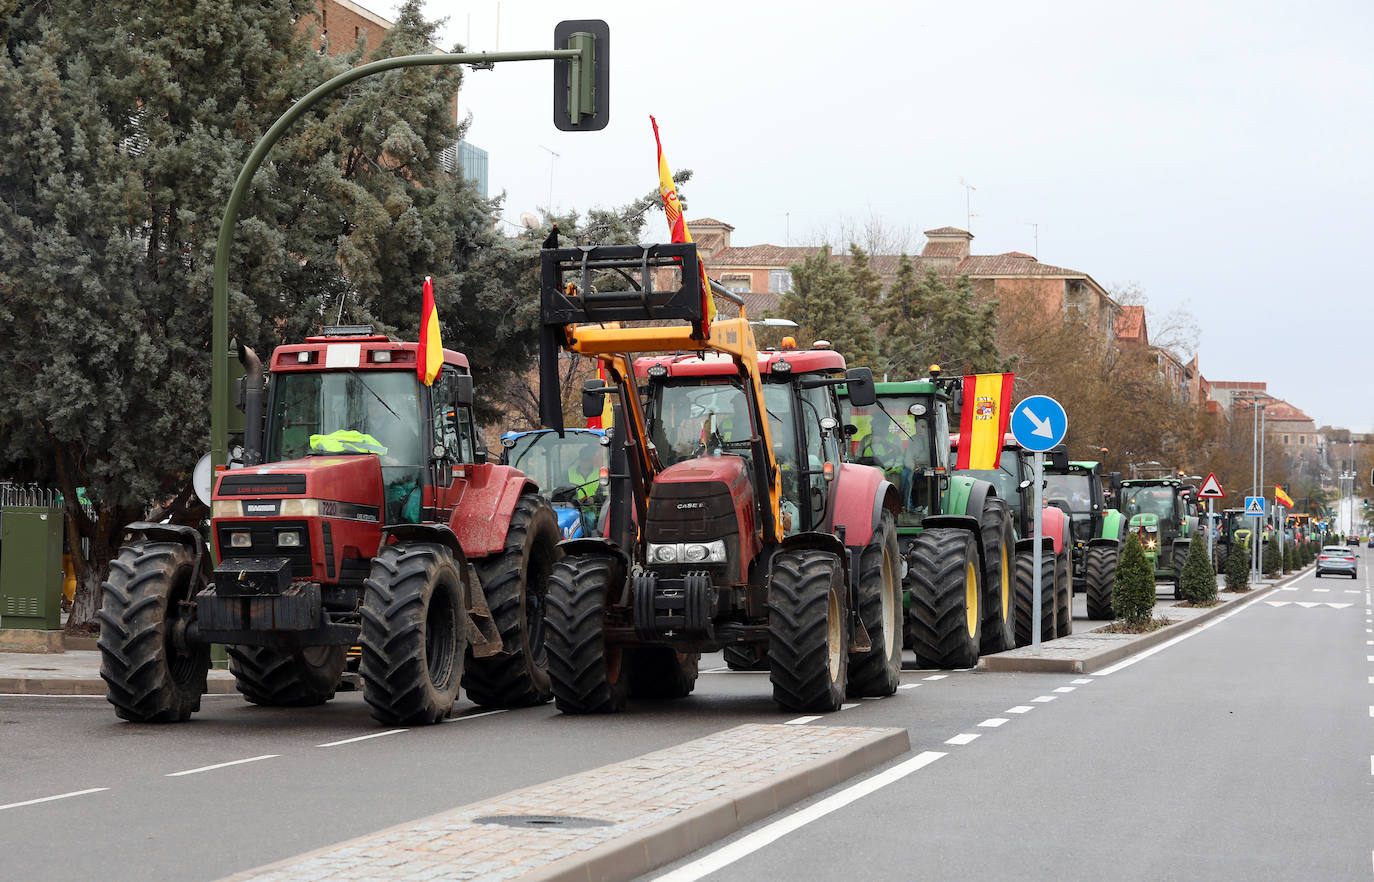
x: 1039, y: 423
x: 1254, y: 506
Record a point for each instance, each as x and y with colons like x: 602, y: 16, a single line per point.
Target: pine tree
x: 1238, y: 568
x: 926, y: 322
x: 1198, y: 581
x: 1272, y: 562
x: 1133, y: 597
x: 825, y: 306
x: 1290, y: 562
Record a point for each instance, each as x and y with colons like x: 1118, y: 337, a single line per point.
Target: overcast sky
x: 1218, y: 154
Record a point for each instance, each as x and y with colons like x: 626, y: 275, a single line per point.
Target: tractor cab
x: 570, y: 471
x: 1012, y: 478
x: 904, y: 433
x: 1162, y: 513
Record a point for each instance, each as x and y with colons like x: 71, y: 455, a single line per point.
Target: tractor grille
x: 264, y: 535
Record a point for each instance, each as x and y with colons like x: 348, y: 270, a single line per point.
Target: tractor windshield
x: 687, y: 421
x: 568, y: 466
x: 889, y: 437
x: 1156, y: 500
x: 1004, y: 477
x: 353, y: 411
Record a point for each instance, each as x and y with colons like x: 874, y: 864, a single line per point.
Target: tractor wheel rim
x: 971, y: 598
x: 1006, y: 585
x: 890, y: 625
x: 441, y: 630
x: 834, y: 652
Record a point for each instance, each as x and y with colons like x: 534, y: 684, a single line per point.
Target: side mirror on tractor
x: 859, y: 384
x: 1115, y: 478
x: 1059, y: 458
x: 463, y: 392
x: 593, y: 398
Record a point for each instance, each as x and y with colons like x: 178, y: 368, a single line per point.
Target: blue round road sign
x: 1039, y: 423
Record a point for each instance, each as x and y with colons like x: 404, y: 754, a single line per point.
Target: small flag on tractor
x: 430, y: 355
x: 1281, y: 498
x: 677, y: 227
x: 983, y: 420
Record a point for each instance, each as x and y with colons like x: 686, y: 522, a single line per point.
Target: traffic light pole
x: 581, y: 61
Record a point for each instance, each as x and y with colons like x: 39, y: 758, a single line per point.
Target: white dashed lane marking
x: 963, y: 738
x: 937, y: 676
x: 463, y: 717
x: 362, y: 738
x: 1082, y: 682
x: 1066, y: 689
x: 1044, y: 698
x: 251, y: 759
x: 802, y: 721
x: 908, y: 685
x: 14, y: 805
x: 994, y: 722
x: 1020, y: 709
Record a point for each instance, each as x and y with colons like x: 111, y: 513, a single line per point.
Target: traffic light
x: 582, y: 86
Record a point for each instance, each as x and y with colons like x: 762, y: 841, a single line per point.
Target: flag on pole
x: 983, y: 420
x: 1281, y: 498
x: 677, y: 225
x: 430, y: 355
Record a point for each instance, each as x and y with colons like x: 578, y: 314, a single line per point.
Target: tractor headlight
x: 300, y: 508
x: 240, y: 539
x: 226, y: 508
x: 665, y: 553
x: 687, y: 552
x: 289, y: 539
x: 1150, y: 544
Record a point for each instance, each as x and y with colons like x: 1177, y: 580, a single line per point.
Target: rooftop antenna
x: 1036, y: 227
x: 968, y: 210
x: 788, y: 216
x: 553, y: 156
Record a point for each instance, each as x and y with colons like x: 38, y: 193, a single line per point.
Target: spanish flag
x: 605, y: 420
x: 1281, y: 498
x: 430, y: 355
x: 677, y: 226
x: 983, y: 420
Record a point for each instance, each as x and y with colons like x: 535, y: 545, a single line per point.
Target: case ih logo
x: 984, y: 408
x: 682, y: 506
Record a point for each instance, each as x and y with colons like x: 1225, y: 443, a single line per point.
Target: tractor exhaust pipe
x: 254, y: 395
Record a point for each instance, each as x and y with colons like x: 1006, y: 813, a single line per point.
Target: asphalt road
x: 1241, y: 752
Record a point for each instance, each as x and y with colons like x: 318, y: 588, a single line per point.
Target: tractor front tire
x: 1063, y: 594
x: 588, y: 677
x: 1025, y: 597
x: 515, y: 583
x: 661, y: 672
x: 414, y: 633
x: 946, y: 593
x: 999, y: 578
x: 1178, y: 557
x: 286, y: 677
x: 149, y: 676
x: 1100, y: 569
x: 878, y: 672
x: 807, y: 656
x: 746, y: 657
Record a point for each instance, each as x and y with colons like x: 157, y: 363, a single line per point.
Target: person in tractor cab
x: 585, y: 473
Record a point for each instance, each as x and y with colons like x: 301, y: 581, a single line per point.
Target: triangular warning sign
x: 1211, y: 488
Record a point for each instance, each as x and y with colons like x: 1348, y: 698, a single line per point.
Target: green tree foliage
x: 1198, y: 581
x: 1133, y: 597
x: 1271, y: 559
x: 825, y: 305
x: 1238, y: 569
x: 123, y: 129
x: 925, y: 322
x: 1290, y: 560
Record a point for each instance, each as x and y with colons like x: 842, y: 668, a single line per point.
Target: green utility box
x: 31, y: 567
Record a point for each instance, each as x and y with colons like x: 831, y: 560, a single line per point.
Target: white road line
x: 994, y: 722
x: 715, y: 670
x: 362, y: 738
x: 963, y: 738
x: 1019, y: 709
x: 874, y: 697
x: 908, y: 685
x: 1066, y: 689
x: 937, y: 676
x: 1288, y: 589
x: 726, y: 855
x: 1371, y: 710
x: 1339, y: 605
x: 51, y: 798
x: 461, y: 718
x: 1352, y: 591
x: 849, y: 705
x: 1278, y: 602
x: 1081, y: 682
x: 1141, y: 656
x: 1044, y: 698
x: 1322, y: 590
x: 251, y: 759
x: 802, y: 721
x: 1307, y: 604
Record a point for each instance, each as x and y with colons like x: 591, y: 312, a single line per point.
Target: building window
x: 780, y: 281
x: 740, y: 283
x: 1285, y: 439
x: 1302, y: 439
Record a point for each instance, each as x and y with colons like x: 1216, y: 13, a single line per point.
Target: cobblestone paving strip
x: 659, y: 807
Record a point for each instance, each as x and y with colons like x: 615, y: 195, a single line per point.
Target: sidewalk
x: 1093, y: 650
x: 74, y: 672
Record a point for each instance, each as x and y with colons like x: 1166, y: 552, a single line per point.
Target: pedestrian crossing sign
x: 1254, y: 506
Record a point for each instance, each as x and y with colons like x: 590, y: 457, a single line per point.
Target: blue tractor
x: 568, y: 471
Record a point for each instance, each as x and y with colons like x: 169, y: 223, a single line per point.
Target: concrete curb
x: 86, y: 686
x: 643, y: 850
x: 1097, y: 661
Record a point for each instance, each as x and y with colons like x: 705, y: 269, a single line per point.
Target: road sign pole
x: 1038, y: 477
x: 1211, y: 528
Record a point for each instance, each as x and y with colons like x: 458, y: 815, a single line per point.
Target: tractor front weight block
x: 676, y: 608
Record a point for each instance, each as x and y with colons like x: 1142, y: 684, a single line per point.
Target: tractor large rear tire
x: 150, y: 678
x: 1025, y: 597
x: 1179, y: 556
x: 807, y: 653
x: 1063, y: 594
x: 588, y: 677
x: 286, y: 677
x: 746, y: 657
x: 414, y: 633
x: 878, y: 672
x: 661, y: 672
x: 999, y: 578
x: 1100, y: 569
x: 515, y: 583
x: 946, y: 594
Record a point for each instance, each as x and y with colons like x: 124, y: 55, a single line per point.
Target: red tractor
x: 365, y: 513
x: 733, y: 521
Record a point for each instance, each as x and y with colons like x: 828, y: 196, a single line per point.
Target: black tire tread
x: 1099, y: 568
x: 284, y: 678
x: 1025, y: 597
x: 995, y: 525
x: 877, y: 673
x: 662, y: 672
x: 938, y: 599
x: 581, y: 678
x: 800, y: 585
x: 1063, y: 594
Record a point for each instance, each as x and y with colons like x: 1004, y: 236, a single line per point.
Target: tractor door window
x: 446, y: 415
x: 777, y: 398
x: 820, y: 449
x: 941, y: 431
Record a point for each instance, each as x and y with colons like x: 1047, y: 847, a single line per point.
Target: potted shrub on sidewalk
x: 1238, y: 570
x: 1133, y: 598
x: 1198, y: 582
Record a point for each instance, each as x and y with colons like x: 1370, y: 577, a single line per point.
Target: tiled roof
x: 709, y: 221
x: 761, y: 255
x: 756, y: 303
x: 952, y: 250
x: 946, y: 231
x: 1239, y: 384
x: 1282, y: 411
x: 1130, y: 323
x: 1013, y: 263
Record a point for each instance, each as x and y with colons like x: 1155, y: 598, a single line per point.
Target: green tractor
x: 1098, y: 529
x: 1163, y: 513
x: 1233, y: 533
x: 906, y: 434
